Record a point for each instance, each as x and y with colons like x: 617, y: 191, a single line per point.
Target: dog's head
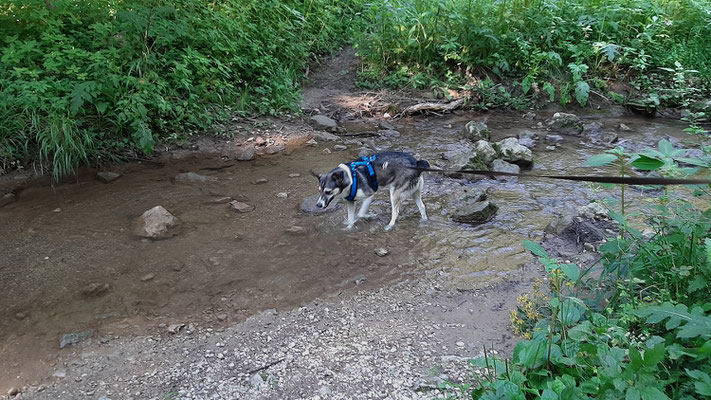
x: 330, y: 186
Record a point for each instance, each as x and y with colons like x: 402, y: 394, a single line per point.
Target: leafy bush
x: 568, y: 47
x: 652, y: 338
x: 80, y: 80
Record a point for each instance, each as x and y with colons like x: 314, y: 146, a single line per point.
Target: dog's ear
x: 316, y: 175
x: 338, y: 177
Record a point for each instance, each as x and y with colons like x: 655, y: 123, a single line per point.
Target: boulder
x: 564, y: 123
x: 475, y: 131
x: 502, y: 166
x: 156, y: 223
x: 484, y: 153
x: 239, y: 153
x: 475, y: 213
x: 513, y: 152
x: 325, y: 136
x: 324, y: 123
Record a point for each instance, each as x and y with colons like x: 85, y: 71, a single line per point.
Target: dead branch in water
x: 433, y: 107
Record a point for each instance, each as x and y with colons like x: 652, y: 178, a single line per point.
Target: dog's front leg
x: 363, y: 213
x: 350, y: 207
x: 395, y: 202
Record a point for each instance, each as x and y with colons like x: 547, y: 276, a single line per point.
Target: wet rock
x: 502, y: 166
x: 308, y: 206
x: 70, y: 339
x: 584, y: 231
x: 325, y: 136
x: 389, y: 133
x: 550, y: 148
x: 529, y: 116
x: 593, y: 211
x: 526, y: 134
x: 240, y: 153
x: 564, y: 123
x: 323, y: 123
x: 474, y: 196
x: 559, y: 224
x: 107, y: 177
x: 530, y: 143
x: 381, y: 252
x: 624, y: 128
x: 156, y: 223
x: 592, y: 129
x: 385, y: 125
x: 340, y: 147
x: 511, y: 151
x: 7, y: 198
x: 475, y: 213
x: 95, y: 289
x: 241, y: 207
x: 554, y: 138
x: 192, y: 177
x: 274, y: 148
x: 148, y: 277
x: 475, y: 131
x: 608, y: 137
x: 484, y: 152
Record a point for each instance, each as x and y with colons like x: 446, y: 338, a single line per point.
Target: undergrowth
x: 541, y: 49
x: 638, y: 325
x: 85, y: 80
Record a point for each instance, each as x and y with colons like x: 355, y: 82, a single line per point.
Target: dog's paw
x: 388, y: 227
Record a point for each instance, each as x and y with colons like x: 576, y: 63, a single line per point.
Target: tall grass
x: 80, y: 80
x: 560, y: 42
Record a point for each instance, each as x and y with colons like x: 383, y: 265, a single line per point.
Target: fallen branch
x: 437, y: 107
x: 360, y: 134
x: 271, y: 364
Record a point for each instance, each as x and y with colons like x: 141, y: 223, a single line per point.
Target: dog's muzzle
x: 323, y: 202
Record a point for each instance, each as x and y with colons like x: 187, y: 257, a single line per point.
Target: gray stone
x: 484, y: 152
x: 7, y: 198
x: 502, y: 166
x: 475, y: 131
x: 323, y: 123
x: 324, y: 392
x: 192, y: 177
x: 608, y: 137
x: 511, y: 151
x: 156, y: 223
x: 295, y: 230
x: 554, y: 138
x: 381, y: 252
x: 294, y: 175
x: 593, y: 211
x: 624, y: 128
x: 241, y: 207
x: 325, y: 136
x: 107, y: 177
x: 13, y: 391
x: 564, y: 123
x: 526, y: 142
x: 256, y: 380
x: 475, y: 213
x: 237, y: 152
x: 529, y: 116
x: 60, y: 373
x: 261, y: 181
x: 389, y: 133
x: 559, y: 224
x: 308, y: 206
x: 95, y: 289
x: 70, y: 339
x: 528, y: 135
x: 474, y: 196
x: 584, y: 231
x: 148, y: 277
x: 340, y: 147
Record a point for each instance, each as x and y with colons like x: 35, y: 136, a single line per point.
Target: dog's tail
x: 422, y: 164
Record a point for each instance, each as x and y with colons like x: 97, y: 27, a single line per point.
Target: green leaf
x: 665, y: 147
x: 101, y: 107
x: 654, y: 355
x: 652, y: 393
x: 635, y: 359
x: 526, y: 84
x: 571, y: 271
x: 600, y: 159
x: 535, y: 248
x: 550, y: 89
x: 582, y: 91
x: 702, y: 382
x: 633, y: 393
x: 529, y: 353
x: 645, y: 163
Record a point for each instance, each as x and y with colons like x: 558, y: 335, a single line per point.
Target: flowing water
x: 225, y: 266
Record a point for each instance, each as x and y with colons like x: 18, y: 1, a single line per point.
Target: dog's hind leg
x: 417, y: 196
x: 395, y: 201
x: 363, y: 213
x: 350, y: 207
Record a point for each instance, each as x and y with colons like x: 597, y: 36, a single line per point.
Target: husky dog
x: 382, y: 170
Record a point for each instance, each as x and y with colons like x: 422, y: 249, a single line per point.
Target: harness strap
x: 364, y: 161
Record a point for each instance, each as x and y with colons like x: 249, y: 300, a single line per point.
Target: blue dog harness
x: 364, y: 161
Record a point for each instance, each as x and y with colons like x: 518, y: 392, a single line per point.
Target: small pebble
x: 381, y: 252
x: 294, y: 175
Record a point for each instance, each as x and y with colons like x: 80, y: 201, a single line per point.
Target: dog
x: 381, y: 170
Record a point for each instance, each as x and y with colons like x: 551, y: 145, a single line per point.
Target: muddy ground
x: 277, y: 303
